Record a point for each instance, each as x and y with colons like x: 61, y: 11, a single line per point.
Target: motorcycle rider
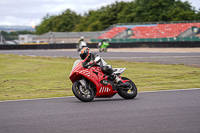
x: 81, y: 43
x: 81, y: 39
x: 102, y: 45
x: 93, y: 59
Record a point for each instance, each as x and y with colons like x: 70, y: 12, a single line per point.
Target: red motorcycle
x: 90, y: 83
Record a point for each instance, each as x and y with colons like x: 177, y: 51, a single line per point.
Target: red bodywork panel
x: 95, y: 75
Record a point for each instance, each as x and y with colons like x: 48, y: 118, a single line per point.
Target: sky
x: 31, y: 12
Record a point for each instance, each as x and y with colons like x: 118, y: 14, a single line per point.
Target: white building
x: 26, y: 38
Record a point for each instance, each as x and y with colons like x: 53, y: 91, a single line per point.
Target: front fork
x: 83, y: 83
x: 84, y: 87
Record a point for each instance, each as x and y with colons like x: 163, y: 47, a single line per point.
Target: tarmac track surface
x: 153, y: 112
x: 187, y: 58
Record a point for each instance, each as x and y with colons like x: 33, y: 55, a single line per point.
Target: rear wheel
x: 129, y: 92
x: 83, y: 94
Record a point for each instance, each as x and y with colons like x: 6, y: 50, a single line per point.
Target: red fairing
x: 95, y: 75
x: 75, y: 72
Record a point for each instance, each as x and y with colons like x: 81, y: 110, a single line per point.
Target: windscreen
x: 76, y: 63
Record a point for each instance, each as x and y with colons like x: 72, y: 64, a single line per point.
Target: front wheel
x: 81, y: 93
x: 129, y: 92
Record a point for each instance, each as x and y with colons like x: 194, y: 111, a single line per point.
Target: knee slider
x: 107, y: 69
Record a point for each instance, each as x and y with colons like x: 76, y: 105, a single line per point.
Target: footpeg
x: 104, y: 82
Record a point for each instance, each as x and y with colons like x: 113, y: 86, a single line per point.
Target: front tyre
x: 81, y: 93
x: 128, y: 92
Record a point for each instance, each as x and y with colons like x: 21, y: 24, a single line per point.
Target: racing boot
x: 116, y: 79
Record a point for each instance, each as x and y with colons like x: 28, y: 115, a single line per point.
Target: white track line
x: 74, y: 96
x: 35, y: 99
x: 170, y: 90
x: 157, y: 57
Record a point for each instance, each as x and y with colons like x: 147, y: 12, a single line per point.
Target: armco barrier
x: 172, y: 39
x: 154, y: 44
x: 42, y: 46
x: 112, y: 45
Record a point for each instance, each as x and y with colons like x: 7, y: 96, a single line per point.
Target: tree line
x: 119, y: 12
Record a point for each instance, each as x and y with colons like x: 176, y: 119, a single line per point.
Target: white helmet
x: 82, y: 37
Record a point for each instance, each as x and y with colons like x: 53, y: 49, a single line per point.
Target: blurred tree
x: 119, y: 12
x: 67, y: 21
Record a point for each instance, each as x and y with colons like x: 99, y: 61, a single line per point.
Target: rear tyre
x: 128, y: 92
x: 85, y: 95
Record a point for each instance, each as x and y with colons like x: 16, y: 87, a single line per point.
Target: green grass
x: 23, y: 77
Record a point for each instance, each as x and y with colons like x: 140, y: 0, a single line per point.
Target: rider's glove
x: 92, y: 63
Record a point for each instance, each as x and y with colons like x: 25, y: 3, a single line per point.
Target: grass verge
x: 24, y: 77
